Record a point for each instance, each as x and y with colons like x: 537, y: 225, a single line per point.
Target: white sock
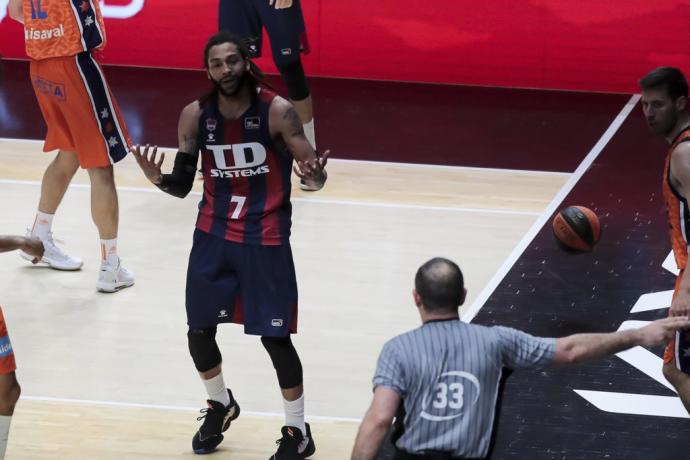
x: 309, y: 132
x: 42, y: 225
x: 294, y: 413
x: 215, y: 387
x: 4, y: 432
x: 109, y: 252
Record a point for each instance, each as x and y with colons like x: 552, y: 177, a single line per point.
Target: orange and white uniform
x: 7, y: 363
x: 78, y: 107
x: 678, y: 213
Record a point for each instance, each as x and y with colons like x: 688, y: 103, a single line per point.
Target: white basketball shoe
x: 113, y: 278
x: 53, y: 256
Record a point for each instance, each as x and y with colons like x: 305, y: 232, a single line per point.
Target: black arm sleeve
x: 180, y: 181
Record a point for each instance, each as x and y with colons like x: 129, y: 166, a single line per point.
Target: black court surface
x: 617, y: 408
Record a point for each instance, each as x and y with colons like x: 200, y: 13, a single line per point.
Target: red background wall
x: 562, y: 44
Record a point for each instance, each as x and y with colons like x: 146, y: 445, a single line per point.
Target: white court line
x: 374, y: 204
x: 377, y: 163
x: 550, y: 209
x: 91, y: 402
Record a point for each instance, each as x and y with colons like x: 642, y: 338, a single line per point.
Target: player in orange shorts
x: 84, y: 123
x: 9, y: 387
x: 664, y: 102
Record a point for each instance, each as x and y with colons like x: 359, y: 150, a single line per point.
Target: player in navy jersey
x: 241, y: 268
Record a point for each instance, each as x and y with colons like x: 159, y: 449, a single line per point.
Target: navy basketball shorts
x: 240, y: 283
x: 285, y: 27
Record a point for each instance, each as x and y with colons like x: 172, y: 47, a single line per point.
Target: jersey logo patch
x: 252, y: 123
x: 211, y: 124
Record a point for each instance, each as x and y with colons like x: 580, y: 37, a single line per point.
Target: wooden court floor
x: 109, y: 376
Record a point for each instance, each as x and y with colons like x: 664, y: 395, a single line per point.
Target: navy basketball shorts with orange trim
x: 79, y: 109
x: 246, y: 284
x: 7, y: 363
x: 285, y: 27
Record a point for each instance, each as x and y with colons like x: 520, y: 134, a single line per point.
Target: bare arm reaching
x: 585, y: 347
x: 32, y: 246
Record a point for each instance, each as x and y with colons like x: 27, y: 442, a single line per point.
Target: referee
x: 446, y: 372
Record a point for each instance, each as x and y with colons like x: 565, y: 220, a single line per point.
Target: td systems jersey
x: 246, y: 176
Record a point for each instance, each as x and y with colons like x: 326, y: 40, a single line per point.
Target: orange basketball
x: 576, y: 228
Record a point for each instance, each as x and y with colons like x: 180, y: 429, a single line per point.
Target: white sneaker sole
x: 48, y: 263
x: 110, y: 288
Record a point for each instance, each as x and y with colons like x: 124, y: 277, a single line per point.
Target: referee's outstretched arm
x: 584, y: 347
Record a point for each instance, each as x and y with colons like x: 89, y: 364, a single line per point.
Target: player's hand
x: 33, y: 246
x: 662, y: 330
x: 280, y: 4
x: 313, y: 172
x: 148, y: 162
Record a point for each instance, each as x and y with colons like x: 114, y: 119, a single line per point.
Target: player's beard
x: 240, y: 83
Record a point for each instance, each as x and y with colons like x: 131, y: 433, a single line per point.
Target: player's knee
x: 9, y: 395
x: 285, y: 360
x: 103, y: 175
x: 295, y: 80
x: 203, y: 348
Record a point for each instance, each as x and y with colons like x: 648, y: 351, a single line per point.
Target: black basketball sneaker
x: 217, y: 419
x: 294, y: 445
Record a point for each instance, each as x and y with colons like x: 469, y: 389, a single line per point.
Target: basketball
x: 576, y: 228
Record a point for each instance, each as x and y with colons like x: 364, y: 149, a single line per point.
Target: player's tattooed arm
x: 284, y: 122
x: 294, y: 124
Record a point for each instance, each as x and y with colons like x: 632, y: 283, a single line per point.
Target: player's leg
x: 296, y: 440
x: 222, y: 408
x: 9, y: 387
x: 269, y: 298
x: 49, y: 88
x: 101, y: 140
x: 210, y: 294
x: 287, y: 32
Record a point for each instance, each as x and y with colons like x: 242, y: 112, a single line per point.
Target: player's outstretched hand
x: 148, y: 162
x: 280, y: 4
x: 33, y: 246
x: 662, y: 330
x: 313, y: 171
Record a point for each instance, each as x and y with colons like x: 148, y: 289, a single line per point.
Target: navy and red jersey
x: 246, y: 176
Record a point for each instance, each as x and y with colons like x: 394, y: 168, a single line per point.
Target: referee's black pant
x: 428, y: 455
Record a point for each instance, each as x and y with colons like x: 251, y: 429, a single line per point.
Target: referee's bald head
x: 440, y: 285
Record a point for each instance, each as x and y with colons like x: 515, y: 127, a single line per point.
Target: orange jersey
x: 61, y: 28
x: 7, y: 362
x: 677, y: 208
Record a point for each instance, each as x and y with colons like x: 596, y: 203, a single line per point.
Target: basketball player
x: 446, y: 372
x: 665, y: 106
x: 9, y: 387
x: 284, y: 24
x: 84, y: 124
x: 241, y: 268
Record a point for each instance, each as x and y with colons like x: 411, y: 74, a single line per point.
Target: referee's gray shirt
x: 447, y: 373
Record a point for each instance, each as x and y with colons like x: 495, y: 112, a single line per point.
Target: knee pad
x: 295, y: 80
x: 285, y: 360
x: 203, y: 348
